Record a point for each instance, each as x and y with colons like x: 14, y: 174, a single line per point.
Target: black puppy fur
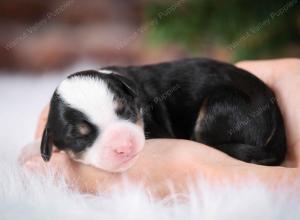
x: 197, y: 99
x: 238, y: 112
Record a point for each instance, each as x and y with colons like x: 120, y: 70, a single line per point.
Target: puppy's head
x: 96, y: 118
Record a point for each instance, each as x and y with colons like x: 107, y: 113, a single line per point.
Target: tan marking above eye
x: 83, y: 128
x: 120, y: 105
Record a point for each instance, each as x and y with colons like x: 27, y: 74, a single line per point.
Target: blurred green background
x: 38, y: 36
x: 249, y: 29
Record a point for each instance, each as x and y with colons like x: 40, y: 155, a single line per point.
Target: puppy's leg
x: 226, y: 122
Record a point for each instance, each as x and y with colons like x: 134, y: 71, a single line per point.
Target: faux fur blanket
x: 26, y: 196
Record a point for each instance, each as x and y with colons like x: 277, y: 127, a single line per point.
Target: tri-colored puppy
x: 102, y: 117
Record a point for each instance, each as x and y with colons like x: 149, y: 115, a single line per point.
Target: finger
x: 35, y: 164
x: 36, y: 161
x: 29, y: 150
x: 42, y: 122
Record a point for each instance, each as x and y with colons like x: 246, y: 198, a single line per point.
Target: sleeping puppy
x: 103, y: 117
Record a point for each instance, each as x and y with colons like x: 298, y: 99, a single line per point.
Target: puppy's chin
x: 122, y: 167
x: 111, y: 167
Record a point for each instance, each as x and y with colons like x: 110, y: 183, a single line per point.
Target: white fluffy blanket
x: 25, y: 196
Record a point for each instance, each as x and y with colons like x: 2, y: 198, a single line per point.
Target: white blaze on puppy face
x: 119, y: 141
x: 90, y: 96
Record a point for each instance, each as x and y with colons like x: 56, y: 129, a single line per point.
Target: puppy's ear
x: 46, y: 145
x: 128, y: 84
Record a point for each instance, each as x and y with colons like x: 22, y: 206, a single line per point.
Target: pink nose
x: 126, y: 149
